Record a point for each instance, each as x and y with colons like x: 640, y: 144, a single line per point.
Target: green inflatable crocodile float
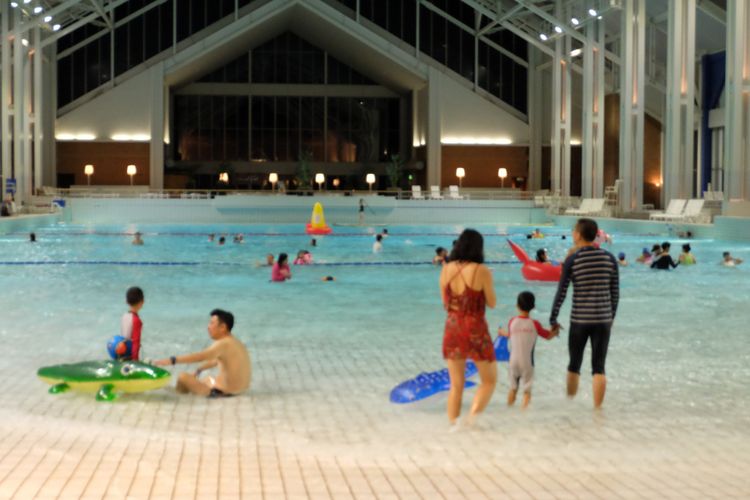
x: 105, y: 378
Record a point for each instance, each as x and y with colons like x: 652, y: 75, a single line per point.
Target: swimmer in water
x: 137, y: 239
x: 377, y: 247
x: 280, y: 270
x: 269, y: 261
x: 441, y: 256
x: 730, y: 261
x: 621, y: 259
x: 645, y: 257
x: 238, y: 238
x: 327, y: 278
x: 222, y: 240
x: 32, y: 237
x: 313, y: 242
x: 211, y: 237
x: 541, y: 256
x: 686, y: 257
x: 664, y: 260
x: 537, y: 234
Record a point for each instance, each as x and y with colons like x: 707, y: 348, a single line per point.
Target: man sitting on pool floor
x: 227, y: 352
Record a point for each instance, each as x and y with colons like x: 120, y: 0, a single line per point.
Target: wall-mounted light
x: 336, y: 182
x: 224, y: 177
x: 320, y: 179
x: 273, y: 178
x: 370, y: 179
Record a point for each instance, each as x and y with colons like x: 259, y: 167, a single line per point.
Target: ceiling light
x: 599, y: 17
x: 575, y: 52
x: 38, y: 9
x: 543, y: 37
x: 26, y: 1
x: 55, y: 27
x: 592, y: 12
x: 14, y: 4
x: 47, y: 19
x: 25, y: 42
x: 558, y: 29
x: 574, y: 20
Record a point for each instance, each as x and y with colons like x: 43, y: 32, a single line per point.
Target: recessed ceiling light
x: 47, y: 19
x: 38, y: 9
x: 55, y: 27
x: 574, y: 20
x: 558, y: 29
x: 592, y: 12
x: 543, y: 37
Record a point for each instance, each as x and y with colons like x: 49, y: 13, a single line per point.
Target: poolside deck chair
x: 416, y: 193
x: 453, y: 193
x: 435, y: 193
x: 692, y: 211
x: 674, y: 210
x: 582, y: 209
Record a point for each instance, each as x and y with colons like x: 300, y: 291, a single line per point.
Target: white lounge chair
x: 692, y: 211
x: 435, y: 193
x: 416, y: 193
x: 673, y: 211
x: 582, y: 209
x: 453, y: 193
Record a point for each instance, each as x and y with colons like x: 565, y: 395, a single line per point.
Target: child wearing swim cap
x: 621, y: 259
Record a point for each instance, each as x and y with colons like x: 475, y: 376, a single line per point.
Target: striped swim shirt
x: 596, y: 287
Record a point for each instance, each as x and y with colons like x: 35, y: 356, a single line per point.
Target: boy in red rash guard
x: 131, y: 324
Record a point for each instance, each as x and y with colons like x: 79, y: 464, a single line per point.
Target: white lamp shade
x: 88, y: 169
x: 223, y: 177
x: 460, y: 172
x: 131, y: 170
x: 273, y: 177
x: 370, y: 178
x: 502, y: 173
x: 336, y: 182
x: 320, y: 178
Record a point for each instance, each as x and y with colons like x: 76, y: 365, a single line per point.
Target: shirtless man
x: 227, y: 352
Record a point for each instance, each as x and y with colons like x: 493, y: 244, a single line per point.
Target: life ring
x: 535, y: 271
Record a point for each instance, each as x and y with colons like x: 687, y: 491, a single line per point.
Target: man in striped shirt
x: 596, y: 290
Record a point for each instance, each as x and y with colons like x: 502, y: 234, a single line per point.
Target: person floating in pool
x: 537, y: 234
x: 131, y: 325
x: 645, y: 257
x: 466, y: 288
x: 280, y: 270
x: 384, y: 232
x: 304, y: 258
x: 226, y: 352
x: 687, y: 258
x: 522, y: 332
x: 222, y: 240
x: 238, y: 238
x: 328, y: 278
x: 664, y: 260
x: 377, y: 247
x: 441, y: 256
x: 137, y: 240
x: 541, y: 256
x: 621, y: 260
x: 729, y: 261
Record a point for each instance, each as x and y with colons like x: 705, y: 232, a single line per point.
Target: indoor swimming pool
x: 326, y: 354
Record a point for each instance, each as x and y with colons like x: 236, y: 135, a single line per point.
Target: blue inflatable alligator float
x: 427, y: 384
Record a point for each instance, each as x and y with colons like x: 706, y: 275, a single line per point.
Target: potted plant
x: 394, y: 169
x: 303, y: 175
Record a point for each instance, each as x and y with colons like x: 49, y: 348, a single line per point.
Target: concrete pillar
x: 37, y: 108
x: 592, y: 168
x: 19, y: 52
x: 434, y: 126
x: 678, y: 146
x: 156, y: 146
x: 561, y: 107
x: 5, y: 98
x: 737, y: 102
x: 632, y: 97
x: 536, y: 120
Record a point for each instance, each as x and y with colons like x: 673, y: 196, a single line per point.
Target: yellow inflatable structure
x: 317, y: 224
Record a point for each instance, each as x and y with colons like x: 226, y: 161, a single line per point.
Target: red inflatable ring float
x: 535, y: 271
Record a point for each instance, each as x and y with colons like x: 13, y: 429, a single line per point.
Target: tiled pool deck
x: 279, y: 441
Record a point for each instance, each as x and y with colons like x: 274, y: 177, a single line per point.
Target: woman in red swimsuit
x: 466, y: 286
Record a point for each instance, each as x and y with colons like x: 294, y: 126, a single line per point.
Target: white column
x: 434, y: 126
x: 5, y: 98
x: 156, y: 148
x: 632, y: 77
x: 557, y: 121
x: 737, y: 99
x: 678, y: 144
x: 38, y: 113
x: 28, y: 166
x: 19, y: 52
x: 592, y: 143
x: 536, y: 120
